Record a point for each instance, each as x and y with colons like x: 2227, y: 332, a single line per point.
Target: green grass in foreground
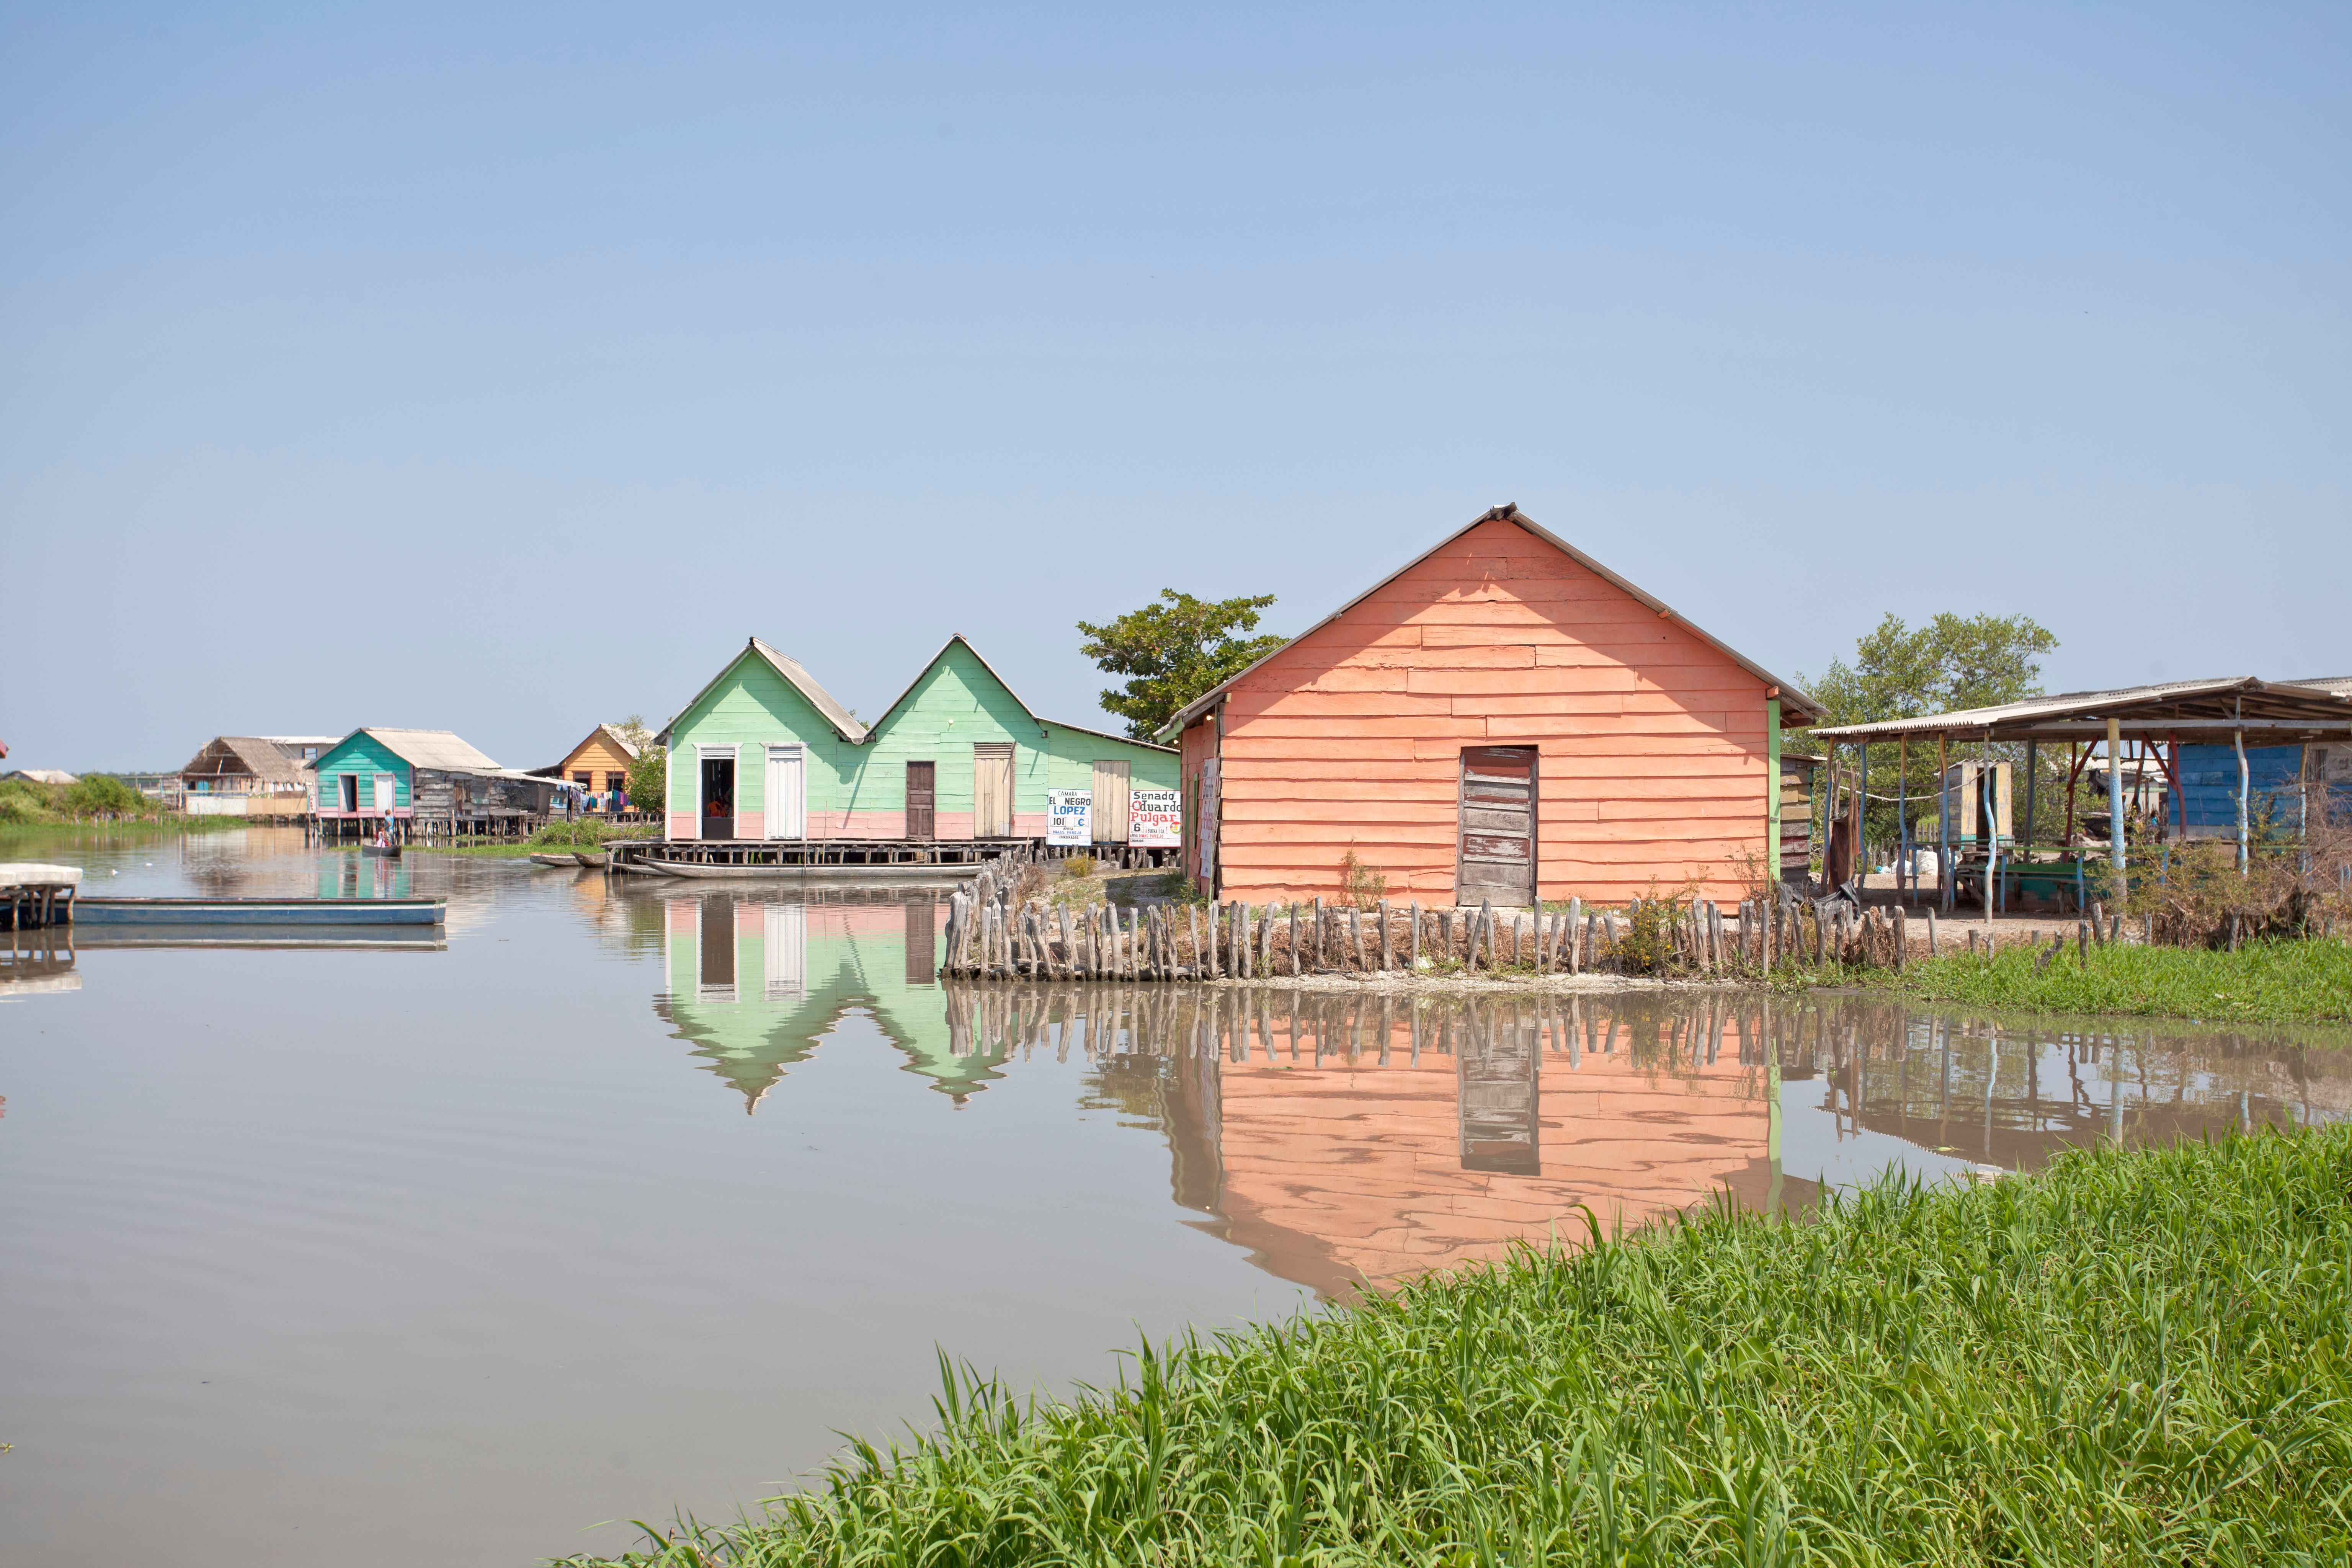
x: 2281, y: 981
x: 2133, y: 1358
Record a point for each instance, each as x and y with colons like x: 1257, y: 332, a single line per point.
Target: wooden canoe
x: 568, y: 862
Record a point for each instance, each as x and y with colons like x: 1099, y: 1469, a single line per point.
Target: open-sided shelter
x: 765, y: 753
x: 250, y: 775
x: 1501, y: 719
x: 2223, y: 744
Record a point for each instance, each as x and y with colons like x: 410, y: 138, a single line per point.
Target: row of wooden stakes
x: 989, y: 938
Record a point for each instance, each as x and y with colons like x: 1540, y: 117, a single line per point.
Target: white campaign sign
x: 1155, y: 819
x: 1069, y: 816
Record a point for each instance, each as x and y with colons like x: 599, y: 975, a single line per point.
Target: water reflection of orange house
x: 1356, y: 1169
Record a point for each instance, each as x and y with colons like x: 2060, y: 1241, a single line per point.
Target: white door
x: 787, y: 956
x: 386, y: 793
x: 787, y: 793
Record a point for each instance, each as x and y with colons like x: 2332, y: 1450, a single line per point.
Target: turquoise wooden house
x: 765, y: 753
x: 404, y: 774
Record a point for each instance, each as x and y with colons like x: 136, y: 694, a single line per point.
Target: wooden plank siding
x: 858, y: 789
x: 361, y: 753
x: 1652, y: 741
x: 606, y: 765
x: 750, y: 708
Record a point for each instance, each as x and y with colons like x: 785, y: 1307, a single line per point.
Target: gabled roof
x: 1789, y: 694
x: 843, y: 725
x: 1034, y: 717
x: 428, y: 749
x: 611, y: 733
x: 260, y: 756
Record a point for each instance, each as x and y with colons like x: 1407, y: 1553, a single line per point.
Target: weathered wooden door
x: 387, y: 792
x: 1110, y: 804
x: 1497, y: 856
x: 922, y: 800
x: 991, y: 789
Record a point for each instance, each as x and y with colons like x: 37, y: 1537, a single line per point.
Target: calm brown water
x: 617, y: 1202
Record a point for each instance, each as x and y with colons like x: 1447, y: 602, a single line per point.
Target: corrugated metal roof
x: 431, y: 748
x: 791, y: 668
x: 1791, y: 694
x: 2279, y: 704
x: 1034, y: 717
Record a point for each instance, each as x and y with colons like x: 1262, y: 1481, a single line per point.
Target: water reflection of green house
x: 756, y: 985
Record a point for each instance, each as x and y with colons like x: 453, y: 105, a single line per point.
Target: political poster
x: 1069, y: 816
x: 1154, y: 819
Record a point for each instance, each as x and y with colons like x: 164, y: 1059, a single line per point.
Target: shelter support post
x: 2238, y: 739
x: 1989, y: 820
x: 1902, y: 812
x: 2032, y: 753
x: 2115, y: 797
x: 1943, y: 824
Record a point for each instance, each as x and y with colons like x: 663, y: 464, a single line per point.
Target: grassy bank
x: 2130, y: 1359
x: 556, y: 838
x: 2269, y: 982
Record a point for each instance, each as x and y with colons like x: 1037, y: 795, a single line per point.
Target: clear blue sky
x: 502, y: 369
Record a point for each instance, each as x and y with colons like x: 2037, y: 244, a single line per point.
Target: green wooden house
x: 765, y: 753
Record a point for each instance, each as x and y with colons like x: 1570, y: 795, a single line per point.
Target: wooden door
x: 1498, y: 857
x: 787, y: 797
x: 1110, y: 804
x: 991, y: 789
x: 387, y: 792
x: 922, y: 800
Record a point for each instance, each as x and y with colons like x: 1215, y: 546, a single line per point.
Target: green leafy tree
x: 1902, y: 672
x: 648, y: 770
x: 1174, y: 651
x: 1953, y: 661
x: 103, y: 795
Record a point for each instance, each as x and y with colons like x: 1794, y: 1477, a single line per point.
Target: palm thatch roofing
x: 232, y: 756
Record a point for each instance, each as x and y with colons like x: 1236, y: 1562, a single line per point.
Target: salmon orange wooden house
x: 1503, y: 719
